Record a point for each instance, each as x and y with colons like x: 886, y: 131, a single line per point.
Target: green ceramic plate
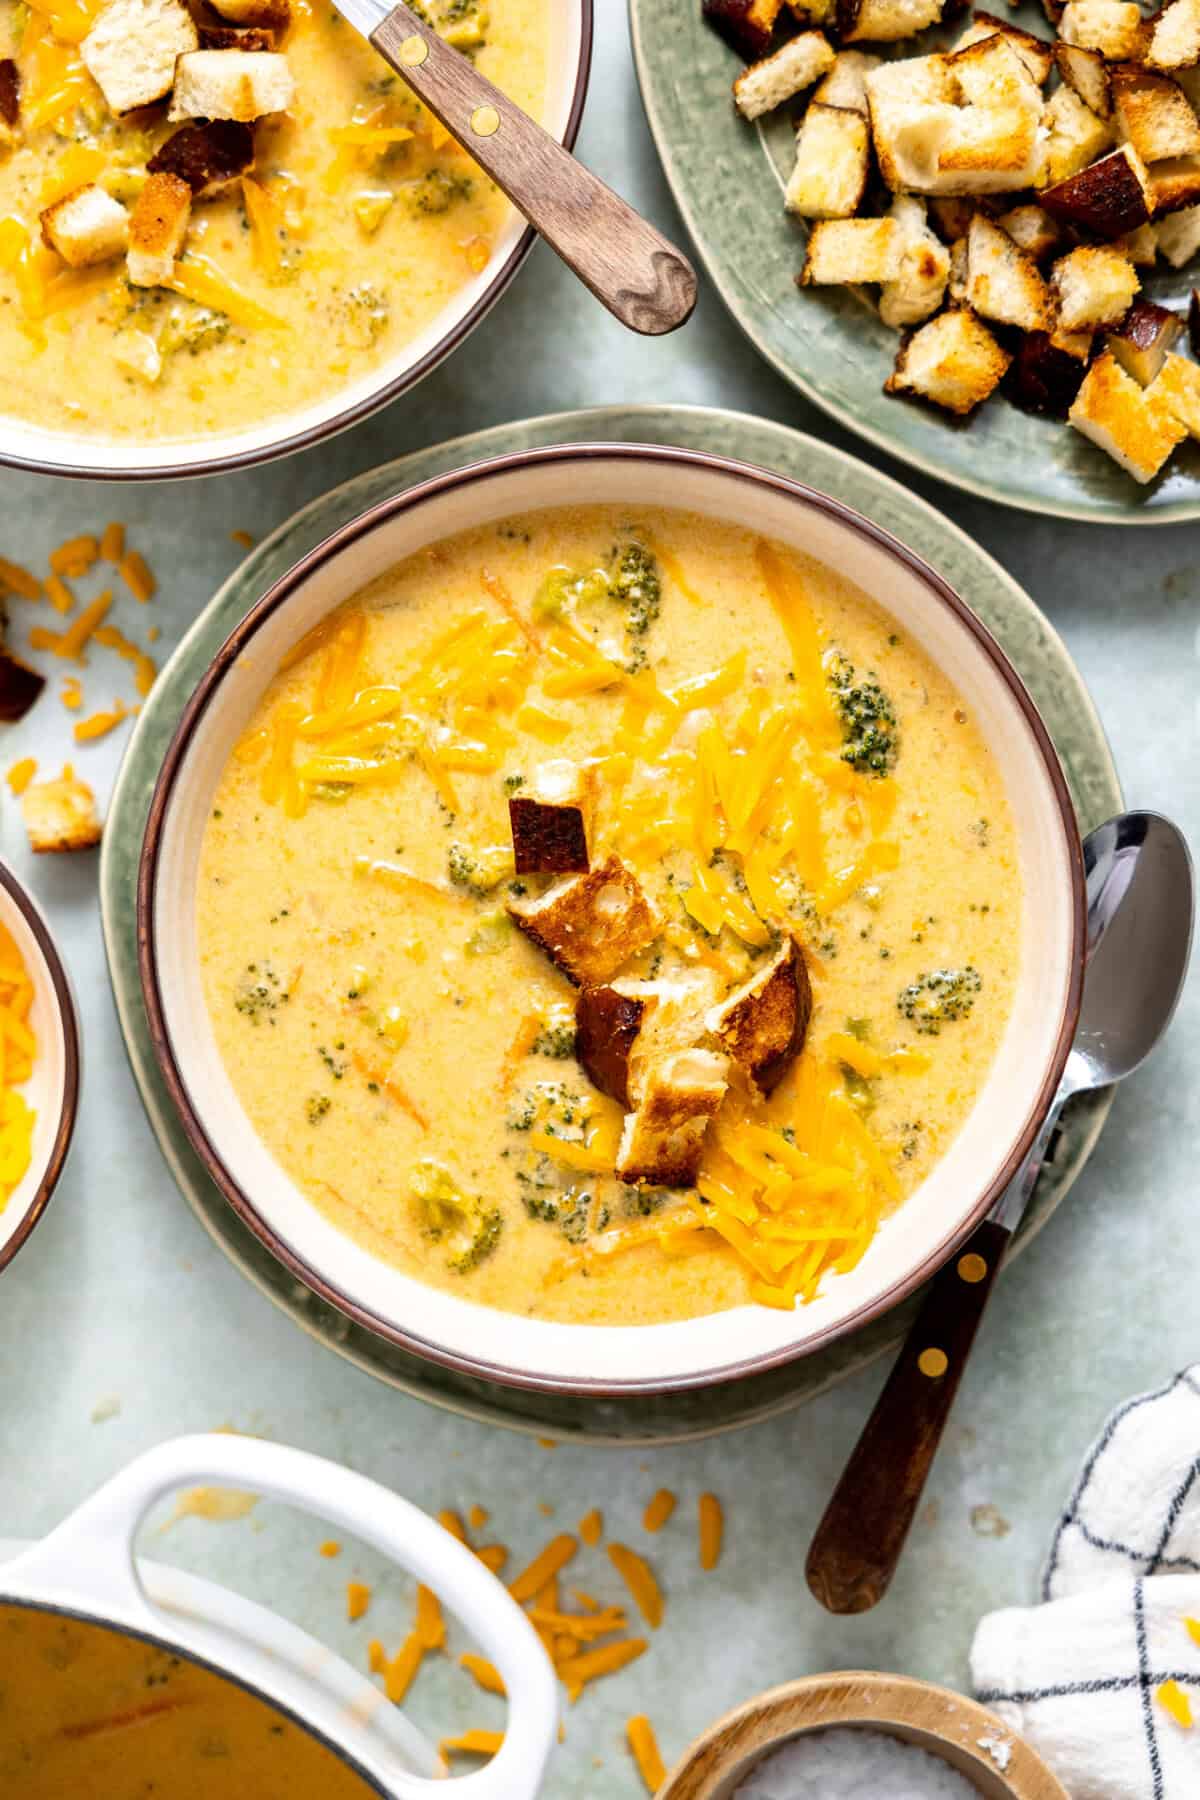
x: 728, y: 178
x: 1036, y: 650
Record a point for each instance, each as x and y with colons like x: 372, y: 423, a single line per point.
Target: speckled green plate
x: 728, y: 179
x: 1030, y: 641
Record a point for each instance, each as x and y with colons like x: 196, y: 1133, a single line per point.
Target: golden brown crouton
x: 1175, y: 36
x: 1175, y: 184
x: 884, y: 21
x: 833, y: 161
x: 1154, y: 114
x: 607, y: 1022
x: 746, y: 24
x: 61, y: 815
x: 132, y: 49
x: 920, y: 285
x: 1177, y: 388
x: 842, y: 251
x: 622, y: 1029
x: 86, y: 226
x: 1178, y: 236
x: 1031, y: 229
x: 767, y: 84
x: 846, y: 83
x: 954, y: 361
x: 1035, y: 52
x: 762, y: 1025
x: 589, y: 925
x: 1110, y: 198
x: 1143, y: 339
x: 1004, y: 283
x: 1073, y: 137
x: 1087, y: 72
x: 1113, y: 27
x: 210, y: 158
x: 549, y: 820
x: 231, y: 84
x: 663, y: 1141
x: 157, y: 228
x: 1119, y: 416
x: 1094, y: 287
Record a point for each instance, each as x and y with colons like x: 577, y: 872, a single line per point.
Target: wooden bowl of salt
x: 860, y: 1733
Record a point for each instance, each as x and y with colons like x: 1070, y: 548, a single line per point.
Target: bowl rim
x: 407, y: 378
x: 838, y: 1700
x: 33, y: 916
x: 373, y: 519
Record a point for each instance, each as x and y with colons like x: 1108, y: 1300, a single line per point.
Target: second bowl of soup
x: 611, y: 918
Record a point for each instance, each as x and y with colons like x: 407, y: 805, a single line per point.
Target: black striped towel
x: 1099, y: 1677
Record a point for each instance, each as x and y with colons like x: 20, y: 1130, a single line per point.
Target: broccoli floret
x: 468, y: 1227
x: 938, y: 998
x: 437, y: 192
x: 869, y: 731
x: 316, y: 1106
x: 479, y: 871
x: 360, y: 316
x: 492, y: 935
x: 556, y: 1038
x: 549, y: 1201
x: 259, y: 993
x: 554, y: 1109
x: 637, y: 584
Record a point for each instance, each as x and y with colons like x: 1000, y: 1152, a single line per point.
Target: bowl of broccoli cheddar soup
x: 190, y: 198
x: 611, y: 917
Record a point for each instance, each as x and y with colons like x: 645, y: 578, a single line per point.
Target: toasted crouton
x: 1031, y: 229
x: 954, y: 125
x: 132, y: 49
x: 746, y: 24
x: 1004, y: 283
x: 1174, y: 184
x: 1078, y: 344
x: 663, y: 1140
x: 812, y: 12
x: 1094, y: 287
x: 588, y: 925
x: 231, y: 84
x: 950, y: 216
x: 1175, y: 36
x: 1110, y: 198
x: 1177, y: 389
x: 1115, y: 413
x: 1044, y: 378
x: 20, y: 686
x: 954, y: 361
x: 10, y: 101
x: 61, y: 814
x: 991, y: 72
x: 1087, y: 72
x: 884, y: 21
x: 956, y: 281
x: 1143, y: 339
x: 1140, y: 246
x: 157, y: 228
x: 920, y: 286
x: 762, y: 1024
x: 846, y: 83
x: 1178, y: 236
x: 210, y: 158
x: 833, y: 160
x: 1113, y: 27
x: 766, y: 85
x: 273, y: 15
x: 623, y: 1029
x: 86, y: 226
x: 1074, y: 136
x: 912, y: 105
x: 843, y: 251
x: 238, y: 37
x: 1154, y: 113
x: 550, y: 820
x: 1035, y: 52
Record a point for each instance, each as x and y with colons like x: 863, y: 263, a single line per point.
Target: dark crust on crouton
x: 1194, y: 321
x: 583, y: 936
x: 19, y: 687
x: 1143, y: 326
x: 10, y: 91
x: 1042, y: 378
x: 208, y: 157
x: 763, y: 1024
x: 746, y: 24
x: 547, y: 839
x: 1107, y: 198
x: 161, y: 209
x: 237, y: 37
x: 606, y: 1026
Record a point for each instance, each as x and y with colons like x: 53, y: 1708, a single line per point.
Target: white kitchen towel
x: 1080, y: 1676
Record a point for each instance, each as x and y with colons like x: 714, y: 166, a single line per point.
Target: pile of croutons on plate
x: 1003, y: 197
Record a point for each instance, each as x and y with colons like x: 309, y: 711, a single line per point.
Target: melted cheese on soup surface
x: 359, y: 225
x: 769, y: 756
x: 90, y: 1714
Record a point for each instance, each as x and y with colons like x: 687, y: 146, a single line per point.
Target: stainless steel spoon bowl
x: 1140, y: 912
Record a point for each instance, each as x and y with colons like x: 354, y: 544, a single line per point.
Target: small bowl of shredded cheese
x: 39, y: 1065
x: 861, y: 1736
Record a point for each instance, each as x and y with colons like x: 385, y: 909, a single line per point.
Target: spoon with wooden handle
x: 629, y: 266
x: 1140, y: 907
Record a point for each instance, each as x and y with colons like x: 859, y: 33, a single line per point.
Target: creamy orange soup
x: 91, y: 1714
x: 771, y: 759
x: 358, y: 224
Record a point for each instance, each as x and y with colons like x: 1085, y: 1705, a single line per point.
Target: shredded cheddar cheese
x: 485, y: 1673
x: 591, y: 1527
x: 18, y: 1051
x: 659, y: 1510
x: 644, y: 1746
x: 112, y: 542
x: 137, y: 575
x: 547, y: 1564
x: 330, y: 1548
x: 712, y: 1531
x: 76, y: 556
x: 13, y: 578
x: 358, y: 1598
x: 21, y: 774
x: 1174, y: 1701
x: 640, y: 1579
x: 86, y: 731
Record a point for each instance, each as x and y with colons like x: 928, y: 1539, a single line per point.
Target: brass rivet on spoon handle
x: 628, y: 264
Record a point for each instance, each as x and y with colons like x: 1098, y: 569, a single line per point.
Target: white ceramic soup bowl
x: 53, y: 1088
x: 86, y: 1570
x: 606, y: 1359
x: 51, y: 452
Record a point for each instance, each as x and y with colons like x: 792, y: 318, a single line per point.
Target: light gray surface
x: 120, y: 1294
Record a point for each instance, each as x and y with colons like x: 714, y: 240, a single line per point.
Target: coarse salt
x: 847, y: 1763
x: 999, y: 1751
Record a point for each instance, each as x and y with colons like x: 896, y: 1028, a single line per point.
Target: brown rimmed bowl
x: 532, y: 1353
x: 53, y: 1088
x: 163, y: 458
x: 963, y: 1734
